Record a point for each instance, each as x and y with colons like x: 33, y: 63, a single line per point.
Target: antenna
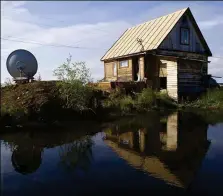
x: 139, y: 40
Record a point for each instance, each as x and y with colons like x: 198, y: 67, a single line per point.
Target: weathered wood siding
x: 125, y: 73
x: 172, y: 79
x: 172, y: 41
x: 152, y: 71
x: 141, y: 68
x: 109, y: 71
x: 190, y: 75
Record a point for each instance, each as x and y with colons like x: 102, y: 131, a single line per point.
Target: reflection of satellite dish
x: 26, y: 161
x: 22, y: 65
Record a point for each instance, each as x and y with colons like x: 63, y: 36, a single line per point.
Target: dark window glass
x: 185, y: 36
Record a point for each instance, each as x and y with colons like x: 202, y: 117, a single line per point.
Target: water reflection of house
x: 173, y: 151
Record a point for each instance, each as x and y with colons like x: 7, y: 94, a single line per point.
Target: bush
x: 73, y: 85
x: 126, y: 104
x: 146, y: 99
x: 212, y: 99
x: 165, y: 100
x: 113, y: 100
x: 75, y: 95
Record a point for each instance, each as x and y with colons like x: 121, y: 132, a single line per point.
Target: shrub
x: 211, y: 99
x: 145, y: 99
x: 113, y: 100
x: 75, y: 95
x: 73, y: 87
x: 165, y: 100
x: 126, y: 104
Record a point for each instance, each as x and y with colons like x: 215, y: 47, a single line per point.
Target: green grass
x: 56, y: 101
x: 213, y: 99
x: 144, y: 101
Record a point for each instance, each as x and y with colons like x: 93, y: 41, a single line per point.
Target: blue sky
x: 95, y: 26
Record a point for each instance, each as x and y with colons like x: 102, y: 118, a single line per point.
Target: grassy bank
x: 138, y: 102
x: 213, y: 99
x: 48, y: 102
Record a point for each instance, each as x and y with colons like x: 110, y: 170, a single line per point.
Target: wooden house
x: 169, y: 53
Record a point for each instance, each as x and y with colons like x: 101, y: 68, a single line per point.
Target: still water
x: 174, y: 154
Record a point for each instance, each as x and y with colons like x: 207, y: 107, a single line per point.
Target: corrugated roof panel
x: 146, y: 34
x: 167, y: 28
x: 152, y: 34
x: 129, y: 45
x: 159, y: 32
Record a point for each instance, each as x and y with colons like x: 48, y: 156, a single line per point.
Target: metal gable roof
x: 152, y: 34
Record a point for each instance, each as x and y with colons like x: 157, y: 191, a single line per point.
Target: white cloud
x: 18, y: 22
x: 209, y: 24
x: 96, y: 37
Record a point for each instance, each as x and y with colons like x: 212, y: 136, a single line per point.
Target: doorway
x: 135, y: 68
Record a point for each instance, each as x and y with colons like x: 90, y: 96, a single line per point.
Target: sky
x: 93, y: 27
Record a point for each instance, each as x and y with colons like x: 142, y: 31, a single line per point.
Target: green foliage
x: 126, y: 104
x: 72, y: 72
x: 113, y: 100
x: 165, y: 100
x: 75, y: 95
x: 119, y: 100
x: 72, y: 86
x: 21, y: 101
x: 145, y: 99
x: 212, y: 99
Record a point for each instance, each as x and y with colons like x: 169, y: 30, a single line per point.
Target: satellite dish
x: 22, y: 65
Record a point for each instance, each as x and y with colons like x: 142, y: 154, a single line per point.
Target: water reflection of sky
x: 107, y: 172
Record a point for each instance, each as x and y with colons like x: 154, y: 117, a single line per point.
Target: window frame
x: 115, y: 73
x: 186, y: 28
x: 120, y: 62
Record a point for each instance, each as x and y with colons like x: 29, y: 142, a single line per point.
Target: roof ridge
x: 158, y: 18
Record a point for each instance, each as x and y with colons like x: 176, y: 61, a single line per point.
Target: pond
x: 176, y: 153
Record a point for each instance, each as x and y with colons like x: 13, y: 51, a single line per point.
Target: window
x: 114, y: 69
x: 184, y: 36
x: 124, y: 63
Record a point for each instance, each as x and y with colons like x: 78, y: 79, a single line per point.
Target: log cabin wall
x: 190, y: 76
x: 172, y: 76
x: 152, y: 71
x: 109, y: 71
x: 123, y: 73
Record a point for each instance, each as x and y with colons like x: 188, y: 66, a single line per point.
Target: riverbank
x: 51, y: 103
